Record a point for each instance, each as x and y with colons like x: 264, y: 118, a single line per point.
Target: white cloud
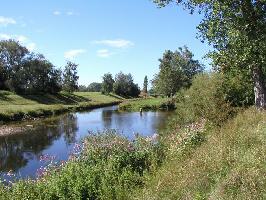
x: 20, y: 38
x: 104, y: 53
x: 71, y: 54
x: 31, y: 46
x: 57, y: 12
x: 119, y: 43
x: 4, y: 21
x: 69, y: 13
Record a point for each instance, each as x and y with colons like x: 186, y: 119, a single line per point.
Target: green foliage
x: 124, y: 85
x: 105, y: 166
x: 176, y: 71
x: 26, y: 73
x: 107, y: 84
x: 70, y: 77
x: 95, y: 87
x: 238, y: 87
x: 237, y: 31
x: 145, y: 85
x: 204, y: 99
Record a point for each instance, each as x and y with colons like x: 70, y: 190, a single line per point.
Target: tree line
x: 25, y: 72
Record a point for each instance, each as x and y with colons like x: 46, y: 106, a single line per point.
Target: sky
x: 101, y: 35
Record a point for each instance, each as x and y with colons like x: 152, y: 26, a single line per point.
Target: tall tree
x: 70, y: 77
x: 237, y: 31
x: 107, y: 84
x: 12, y: 56
x: 145, y: 85
x: 176, y: 71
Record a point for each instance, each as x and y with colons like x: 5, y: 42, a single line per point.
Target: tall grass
x: 230, y: 164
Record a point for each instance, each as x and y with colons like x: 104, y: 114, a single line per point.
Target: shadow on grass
x: 61, y: 98
x: 4, y: 98
x: 116, y: 96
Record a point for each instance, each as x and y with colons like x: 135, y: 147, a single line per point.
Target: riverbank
x: 147, y: 104
x: 27, y: 107
x: 202, y: 161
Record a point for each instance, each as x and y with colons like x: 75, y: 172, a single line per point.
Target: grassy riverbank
x: 202, y: 161
x: 208, y: 162
x: 147, y: 104
x: 16, y: 107
x: 209, y: 150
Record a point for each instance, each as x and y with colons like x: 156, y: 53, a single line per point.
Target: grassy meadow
x: 146, y: 104
x: 18, y: 107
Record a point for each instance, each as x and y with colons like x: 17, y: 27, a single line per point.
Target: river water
x: 20, y: 153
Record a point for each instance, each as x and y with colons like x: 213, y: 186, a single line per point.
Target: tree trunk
x: 259, y: 88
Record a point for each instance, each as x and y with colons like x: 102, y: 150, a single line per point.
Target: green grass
x: 147, y: 104
x: 18, y: 107
x: 215, y: 163
x: 198, y: 160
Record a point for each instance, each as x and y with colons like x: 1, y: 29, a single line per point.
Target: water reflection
x: 56, y: 136
x: 17, y: 150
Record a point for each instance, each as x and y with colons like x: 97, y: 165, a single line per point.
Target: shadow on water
x: 17, y: 150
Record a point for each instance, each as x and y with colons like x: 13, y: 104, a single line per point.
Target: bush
x: 104, y: 166
x: 204, y: 99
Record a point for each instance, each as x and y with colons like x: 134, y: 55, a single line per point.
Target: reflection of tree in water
x: 69, y: 127
x: 17, y: 150
x: 107, y: 118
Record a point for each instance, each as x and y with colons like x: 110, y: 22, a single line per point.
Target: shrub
x: 204, y: 99
x: 104, y: 166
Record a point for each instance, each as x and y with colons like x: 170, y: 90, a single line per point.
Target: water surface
x: 20, y: 153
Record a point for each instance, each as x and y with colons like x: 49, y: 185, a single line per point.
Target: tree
x: 107, y: 84
x: 95, y: 87
x: 83, y: 88
x: 124, y: 85
x: 145, y: 85
x: 70, y: 77
x: 12, y: 56
x: 237, y: 31
x: 176, y: 71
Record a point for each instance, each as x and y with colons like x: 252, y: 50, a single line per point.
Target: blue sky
x: 101, y: 35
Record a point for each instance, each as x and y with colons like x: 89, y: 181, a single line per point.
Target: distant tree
x: 70, y: 77
x: 176, y: 71
x: 95, y: 87
x: 107, y: 84
x: 124, y: 85
x: 82, y: 88
x: 145, y: 85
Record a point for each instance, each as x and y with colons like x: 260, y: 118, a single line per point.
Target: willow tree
x: 237, y: 31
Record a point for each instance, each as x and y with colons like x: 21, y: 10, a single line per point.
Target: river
x: 20, y: 153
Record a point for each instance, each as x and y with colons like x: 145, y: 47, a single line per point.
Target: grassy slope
x: 230, y: 164
x: 15, y: 107
x: 146, y: 104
